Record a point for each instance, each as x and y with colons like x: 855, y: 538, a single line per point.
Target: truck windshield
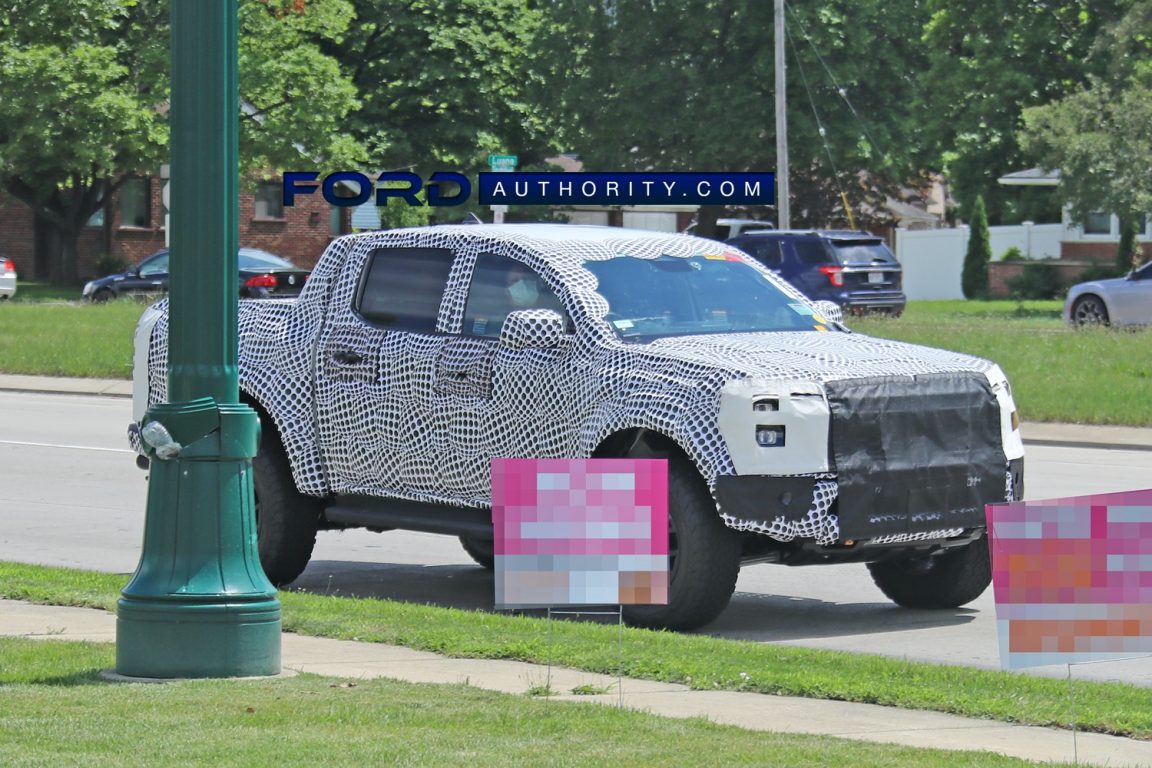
x: 671, y: 296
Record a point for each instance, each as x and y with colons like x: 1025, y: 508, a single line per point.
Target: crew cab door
x: 493, y: 401
x: 375, y: 363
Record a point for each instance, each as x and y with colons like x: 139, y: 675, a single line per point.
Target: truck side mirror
x: 532, y: 329
x: 830, y: 310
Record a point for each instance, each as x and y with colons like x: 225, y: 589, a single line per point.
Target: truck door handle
x: 347, y: 357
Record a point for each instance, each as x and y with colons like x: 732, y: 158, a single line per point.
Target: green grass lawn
x: 702, y: 662
x: 1089, y: 376
x: 1092, y: 376
x: 55, y: 710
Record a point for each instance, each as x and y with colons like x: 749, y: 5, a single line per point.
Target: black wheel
x: 480, y: 550
x: 1089, y: 309
x: 103, y: 295
x: 703, y: 557
x: 286, y: 520
x: 946, y: 580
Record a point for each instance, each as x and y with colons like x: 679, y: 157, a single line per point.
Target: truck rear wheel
x: 703, y: 556
x: 946, y: 580
x: 286, y: 520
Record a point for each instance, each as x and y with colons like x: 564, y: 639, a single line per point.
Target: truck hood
x: 812, y: 355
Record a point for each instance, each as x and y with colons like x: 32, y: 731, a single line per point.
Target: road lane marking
x: 72, y: 447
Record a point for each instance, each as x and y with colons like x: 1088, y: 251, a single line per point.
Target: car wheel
x: 1089, y: 310
x: 480, y: 550
x: 286, y: 520
x: 946, y: 580
x: 703, y: 556
x: 103, y: 295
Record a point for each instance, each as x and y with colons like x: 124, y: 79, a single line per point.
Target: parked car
x: 387, y: 389
x: 262, y: 275
x: 7, y: 278
x: 1118, y: 301
x: 726, y: 228
x: 854, y: 269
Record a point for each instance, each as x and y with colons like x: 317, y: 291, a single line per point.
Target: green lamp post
x: 199, y: 604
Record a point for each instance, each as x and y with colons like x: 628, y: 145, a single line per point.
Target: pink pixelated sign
x: 1072, y: 578
x: 580, y: 531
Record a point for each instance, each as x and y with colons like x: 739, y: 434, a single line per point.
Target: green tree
x: 689, y: 85
x: 1100, y: 137
x: 989, y: 62
x: 974, y: 277
x: 443, y: 83
x: 84, y: 89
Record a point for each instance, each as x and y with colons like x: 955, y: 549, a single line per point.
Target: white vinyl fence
x: 933, y: 259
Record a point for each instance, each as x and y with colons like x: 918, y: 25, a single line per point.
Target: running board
x: 374, y: 512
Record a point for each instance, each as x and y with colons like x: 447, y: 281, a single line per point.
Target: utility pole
x: 783, y: 211
x: 199, y: 604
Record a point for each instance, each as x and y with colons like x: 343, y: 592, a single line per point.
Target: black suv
x: 854, y: 269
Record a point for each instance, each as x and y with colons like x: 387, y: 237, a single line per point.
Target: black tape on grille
x: 915, y: 453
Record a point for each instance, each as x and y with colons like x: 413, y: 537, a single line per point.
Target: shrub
x: 974, y: 278
x: 1037, y: 281
x: 1013, y: 254
x: 1099, y: 272
x: 110, y: 264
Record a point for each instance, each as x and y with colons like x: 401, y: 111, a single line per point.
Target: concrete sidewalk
x: 1035, y: 433
x: 864, y: 722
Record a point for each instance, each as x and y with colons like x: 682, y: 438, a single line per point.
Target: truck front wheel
x: 286, y: 520
x: 703, y: 556
x: 946, y: 580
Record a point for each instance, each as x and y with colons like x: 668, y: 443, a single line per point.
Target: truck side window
x: 402, y: 288
x: 501, y: 285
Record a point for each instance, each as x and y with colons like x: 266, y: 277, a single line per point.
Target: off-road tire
x: 286, y: 520
x: 947, y: 580
x: 704, y: 557
x: 480, y: 550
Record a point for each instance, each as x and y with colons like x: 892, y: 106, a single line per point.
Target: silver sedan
x: 1119, y: 301
x: 7, y: 278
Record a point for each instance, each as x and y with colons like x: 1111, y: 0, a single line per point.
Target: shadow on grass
x: 751, y: 616
x: 70, y: 680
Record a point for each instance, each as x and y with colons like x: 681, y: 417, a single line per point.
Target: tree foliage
x: 974, y: 277
x: 689, y: 84
x: 84, y: 91
x: 1100, y: 137
x: 989, y: 62
x: 443, y: 83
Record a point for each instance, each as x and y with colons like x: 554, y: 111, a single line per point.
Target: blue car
x: 854, y: 269
x: 263, y: 275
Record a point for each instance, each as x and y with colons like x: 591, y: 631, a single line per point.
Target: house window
x: 135, y: 199
x: 1098, y: 224
x: 269, y: 201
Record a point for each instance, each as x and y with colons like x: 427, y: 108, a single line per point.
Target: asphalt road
x: 72, y: 496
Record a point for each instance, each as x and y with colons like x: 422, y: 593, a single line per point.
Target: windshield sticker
x: 479, y: 325
x: 819, y: 319
x: 802, y: 309
x: 623, y: 324
x: 820, y: 328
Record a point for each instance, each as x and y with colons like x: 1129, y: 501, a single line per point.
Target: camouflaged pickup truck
x: 413, y: 357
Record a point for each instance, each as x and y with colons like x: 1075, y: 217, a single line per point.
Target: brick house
x: 132, y: 226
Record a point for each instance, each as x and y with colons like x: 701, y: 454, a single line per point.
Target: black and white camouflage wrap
x: 422, y: 414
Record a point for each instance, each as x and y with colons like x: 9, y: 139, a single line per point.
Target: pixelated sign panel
x: 580, y: 531
x: 1072, y: 578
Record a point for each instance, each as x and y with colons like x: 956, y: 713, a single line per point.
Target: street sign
x: 503, y: 163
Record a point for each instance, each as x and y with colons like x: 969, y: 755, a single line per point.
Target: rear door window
x: 852, y: 252
x: 812, y: 252
x: 766, y: 251
x: 402, y: 288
